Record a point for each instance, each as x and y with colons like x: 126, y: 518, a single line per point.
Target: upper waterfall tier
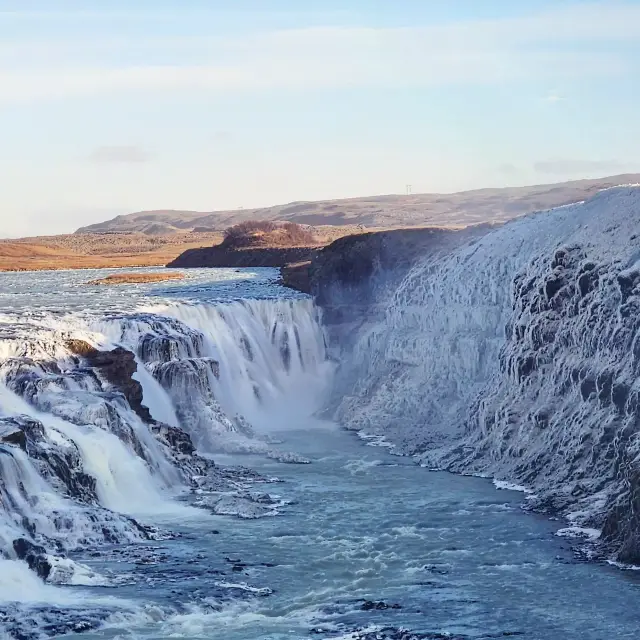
x: 100, y: 412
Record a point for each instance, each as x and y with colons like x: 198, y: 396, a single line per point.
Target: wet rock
x: 175, y: 438
x: 34, y: 555
x: 35, y: 623
x: 117, y: 367
x: 14, y: 435
x: 20, y: 431
x: 436, y: 569
x: 243, y: 506
x: 372, y: 605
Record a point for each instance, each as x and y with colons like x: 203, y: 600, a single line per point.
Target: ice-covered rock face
x: 564, y: 415
x: 518, y: 356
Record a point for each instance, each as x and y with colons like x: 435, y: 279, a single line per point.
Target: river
x: 457, y: 555
x: 352, y: 542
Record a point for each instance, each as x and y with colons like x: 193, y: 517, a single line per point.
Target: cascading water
x: 271, y: 357
x: 228, y: 370
x: 80, y: 456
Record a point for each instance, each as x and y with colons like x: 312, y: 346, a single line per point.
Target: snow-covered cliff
x: 518, y: 355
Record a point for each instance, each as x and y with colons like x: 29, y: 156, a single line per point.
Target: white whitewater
x: 228, y: 371
x: 272, y: 356
x: 155, y: 397
x: 227, y: 374
x: 124, y: 482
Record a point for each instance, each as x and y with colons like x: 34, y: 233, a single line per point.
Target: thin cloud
x: 553, y: 98
x: 575, y: 166
x: 119, y: 154
x: 548, y: 46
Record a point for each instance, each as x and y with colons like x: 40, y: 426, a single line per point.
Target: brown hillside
x: 391, y: 211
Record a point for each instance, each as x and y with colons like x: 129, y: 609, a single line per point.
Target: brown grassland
x: 100, y: 250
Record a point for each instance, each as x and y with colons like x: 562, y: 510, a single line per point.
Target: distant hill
x: 441, y: 210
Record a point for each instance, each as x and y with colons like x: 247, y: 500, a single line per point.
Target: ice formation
x: 518, y: 356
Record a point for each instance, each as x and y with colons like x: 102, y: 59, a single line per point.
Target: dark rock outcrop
x: 380, y: 605
x: 176, y: 439
x: 60, y: 465
x: 34, y: 555
x: 297, y: 276
x: 219, y: 256
x: 117, y: 367
x: 350, y: 278
x: 12, y: 433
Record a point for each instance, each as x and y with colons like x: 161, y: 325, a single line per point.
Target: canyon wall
x: 513, y: 354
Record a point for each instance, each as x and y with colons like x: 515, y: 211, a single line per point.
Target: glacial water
x: 313, y: 532
x: 458, y: 556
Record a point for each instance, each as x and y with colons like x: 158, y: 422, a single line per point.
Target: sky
x: 115, y: 106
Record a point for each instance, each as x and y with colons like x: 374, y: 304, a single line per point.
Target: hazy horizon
x: 113, y: 110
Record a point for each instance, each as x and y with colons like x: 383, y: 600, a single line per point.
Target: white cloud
x: 548, y: 45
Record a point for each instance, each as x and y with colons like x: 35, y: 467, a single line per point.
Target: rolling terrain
x: 98, y: 250
x: 390, y: 211
x: 119, y: 249
x: 152, y: 238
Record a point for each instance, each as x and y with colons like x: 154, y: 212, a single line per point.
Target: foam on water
x: 20, y: 584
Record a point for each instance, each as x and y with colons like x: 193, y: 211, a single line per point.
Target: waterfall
x: 231, y: 369
x: 95, y: 412
x: 271, y: 355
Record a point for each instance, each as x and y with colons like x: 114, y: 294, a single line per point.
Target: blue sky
x: 118, y: 106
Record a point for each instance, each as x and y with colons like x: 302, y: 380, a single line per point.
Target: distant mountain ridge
x: 435, y: 209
